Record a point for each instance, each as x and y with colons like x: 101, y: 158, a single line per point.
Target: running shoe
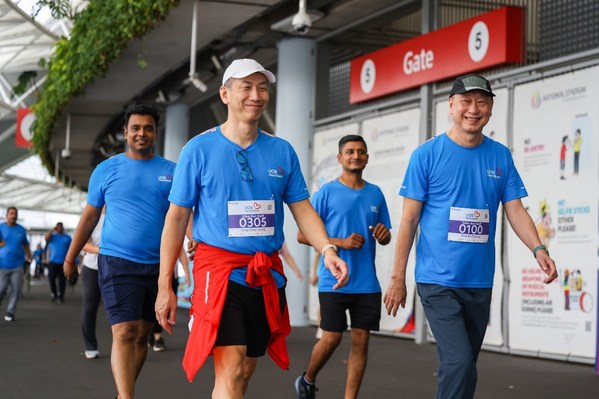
x: 303, y: 389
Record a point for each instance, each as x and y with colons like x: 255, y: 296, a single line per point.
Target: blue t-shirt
x: 443, y: 174
x: 345, y: 211
x: 37, y: 255
x: 12, y: 254
x: 58, y: 247
x: 209, y: 179
x: 136, y: 196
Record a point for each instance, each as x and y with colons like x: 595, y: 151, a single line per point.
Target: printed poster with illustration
x: 497, y: 130
x: 555, y: 150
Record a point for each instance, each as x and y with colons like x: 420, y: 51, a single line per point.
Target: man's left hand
x: 166, y: 308
x: 381, y: 233
x: 547, y: 265
x: 337, y: 267
x: 69, y: 269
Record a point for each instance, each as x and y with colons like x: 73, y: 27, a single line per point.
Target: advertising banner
x: 490, y: 39
x: 497, y: 130
x: 391, y: 140
x: 555, y: 150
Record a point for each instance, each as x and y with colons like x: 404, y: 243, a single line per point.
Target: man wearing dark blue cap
x: 452, y: 188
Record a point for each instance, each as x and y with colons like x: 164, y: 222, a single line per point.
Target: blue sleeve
x: 318, y: 202
x: 95, y: 188
x: 514, y: 186
x: 25, y: 239
x: 415, y: 183
x: 185, y: 189
x: 296, y: 189
x: 384, y: 217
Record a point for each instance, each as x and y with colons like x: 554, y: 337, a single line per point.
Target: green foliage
x: 58, y: 8
x: 99, y: 35
x: 25, y: 79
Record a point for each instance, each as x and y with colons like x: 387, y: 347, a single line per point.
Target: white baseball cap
x: 245, y: 67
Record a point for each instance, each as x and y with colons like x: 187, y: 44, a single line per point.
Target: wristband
x: 68, y: 261
x: 326, y: 247
x: 537, y: 249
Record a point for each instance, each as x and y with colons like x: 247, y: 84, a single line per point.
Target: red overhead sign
x: 25, y: 118
x: 487, y: 40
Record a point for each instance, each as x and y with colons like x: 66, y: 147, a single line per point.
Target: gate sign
x: 487, y: 40
x: 25, y: 118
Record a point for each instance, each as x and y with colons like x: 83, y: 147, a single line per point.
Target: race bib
x: 251, y: 218
x: 468, y: 225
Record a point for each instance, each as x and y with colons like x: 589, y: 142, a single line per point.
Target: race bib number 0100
x: 468, y: 225
x: 251, y: 218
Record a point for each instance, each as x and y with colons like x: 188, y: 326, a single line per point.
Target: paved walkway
x: 41, y: 356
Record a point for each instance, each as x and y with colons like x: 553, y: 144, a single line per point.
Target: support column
x: 426, y: 111
x: 176, y: 130
x: 296, y: 81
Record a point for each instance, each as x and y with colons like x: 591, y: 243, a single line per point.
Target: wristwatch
x: 537, y: 249
x: 326, y: 247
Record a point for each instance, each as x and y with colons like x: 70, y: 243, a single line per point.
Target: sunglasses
x: 245, y: 172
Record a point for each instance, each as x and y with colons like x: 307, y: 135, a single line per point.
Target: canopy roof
x: 24, y: 41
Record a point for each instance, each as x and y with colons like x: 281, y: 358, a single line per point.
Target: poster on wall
x: 555, y: 150
x: 497, y: 130
x: 324, y: 169
x: 391, y: 140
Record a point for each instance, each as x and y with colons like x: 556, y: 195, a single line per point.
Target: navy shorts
x: 128, y: 289
x: 243, y: 321
x: 364, y: 311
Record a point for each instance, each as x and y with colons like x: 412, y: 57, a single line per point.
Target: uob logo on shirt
x: 276, y: 172
x: 494, y: 173
x: 166, y: 178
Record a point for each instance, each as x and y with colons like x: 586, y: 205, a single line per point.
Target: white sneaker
x: 319, y: 333
x: 92, y: 354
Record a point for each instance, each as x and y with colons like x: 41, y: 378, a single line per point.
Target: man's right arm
x: 353, y: 241
x: 395, y: 296
x: 48, y: 235
x: 85, y: 227
x: 173, y: 233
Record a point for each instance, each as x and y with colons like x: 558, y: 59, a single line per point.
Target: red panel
x: 487, y: 40
x: 24, y: 120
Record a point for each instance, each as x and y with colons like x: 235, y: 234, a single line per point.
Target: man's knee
x: 125, y: 332
x: 331, y: 339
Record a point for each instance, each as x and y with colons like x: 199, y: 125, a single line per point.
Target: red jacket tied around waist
x: 211, y: 270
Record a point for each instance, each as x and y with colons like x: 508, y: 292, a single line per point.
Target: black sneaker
x: 9, y: 317
x: 151, y: 341
x: 303, y: 389
x: 159, y: 345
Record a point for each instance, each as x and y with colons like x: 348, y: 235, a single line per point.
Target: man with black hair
x: 356, y: 217
x: 57, y: 242
x: 14, y: 250
x: 134, y: 186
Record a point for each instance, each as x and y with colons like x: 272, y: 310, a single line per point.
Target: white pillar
x: 296, y: 81
x: 176, y: 130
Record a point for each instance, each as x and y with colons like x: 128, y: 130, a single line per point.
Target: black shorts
x: 128, y: 289
x: 364, y: 311
x: 243, y: 321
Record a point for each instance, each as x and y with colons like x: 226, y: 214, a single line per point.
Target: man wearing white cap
x: 237, y: 177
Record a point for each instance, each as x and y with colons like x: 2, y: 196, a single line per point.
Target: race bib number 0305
x: 251, y: 218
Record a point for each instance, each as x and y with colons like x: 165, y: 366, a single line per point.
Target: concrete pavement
x: 41, y: 356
